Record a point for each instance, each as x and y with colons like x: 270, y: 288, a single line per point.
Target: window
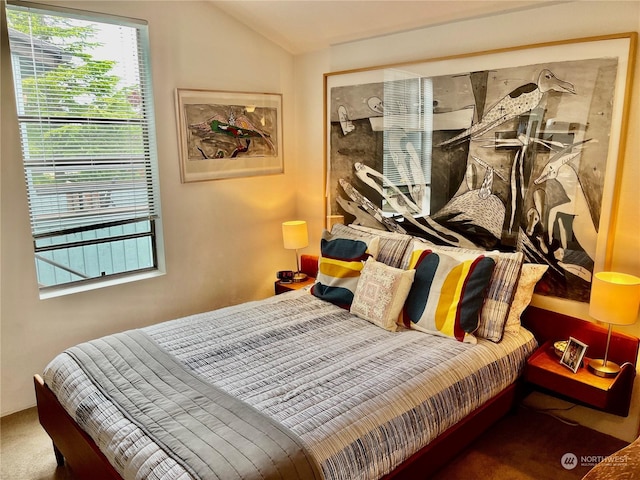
x: 84, y: 100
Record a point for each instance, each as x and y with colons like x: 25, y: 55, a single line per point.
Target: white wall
x: 223, y: 238
x: 545, y: 23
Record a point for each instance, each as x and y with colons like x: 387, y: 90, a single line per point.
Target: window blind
x: 86, y: 122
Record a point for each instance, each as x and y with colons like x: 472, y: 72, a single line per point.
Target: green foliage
x: 79, y: 87
x: 60, y: 31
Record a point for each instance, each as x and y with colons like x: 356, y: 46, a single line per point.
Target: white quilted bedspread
x: 360, y: 398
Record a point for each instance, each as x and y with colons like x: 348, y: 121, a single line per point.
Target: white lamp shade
x: 615, y: 298
x: 295, y: 235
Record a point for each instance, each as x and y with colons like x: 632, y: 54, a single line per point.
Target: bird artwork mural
x: 237, y: 128
x: 512, y: 159
x: 519, y: 101
x: 583, y: 228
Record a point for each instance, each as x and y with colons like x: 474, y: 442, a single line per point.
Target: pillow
x: 530, y: 276
x: 339, y: 265
x: 502, y: 286
x: 381, y: 293
x: 392, y: 246
x: 447, y: 294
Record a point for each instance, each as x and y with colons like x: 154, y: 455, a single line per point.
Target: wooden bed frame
x: 73, y: 445
x: 84, y: 458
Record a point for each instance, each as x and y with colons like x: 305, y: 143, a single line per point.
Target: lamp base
x: 299, y: 277
x: 601, y: 369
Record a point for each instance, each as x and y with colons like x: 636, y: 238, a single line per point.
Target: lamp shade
x: 615, y: 298
x: 295, y: 235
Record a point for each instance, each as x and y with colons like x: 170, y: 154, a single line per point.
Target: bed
x: 292, y: 386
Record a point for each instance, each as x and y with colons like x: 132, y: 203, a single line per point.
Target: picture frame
x: 225, y: 134
x: 573, y: 354
x: 440, y: 149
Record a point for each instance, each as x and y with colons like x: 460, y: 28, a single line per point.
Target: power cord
x: 549, y: 412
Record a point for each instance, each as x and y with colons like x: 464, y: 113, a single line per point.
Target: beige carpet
x: 526, y: 445
x: 26, y: 451
x: 529, y: 445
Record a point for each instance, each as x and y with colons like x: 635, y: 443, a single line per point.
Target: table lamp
x: 295, y: 236
x: 614, y: 300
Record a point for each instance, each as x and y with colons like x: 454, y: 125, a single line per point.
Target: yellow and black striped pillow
x: 339, y: 266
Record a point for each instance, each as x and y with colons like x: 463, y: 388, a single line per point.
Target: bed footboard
x: 70, y: 442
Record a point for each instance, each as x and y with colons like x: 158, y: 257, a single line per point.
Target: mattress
x: 359, y: 398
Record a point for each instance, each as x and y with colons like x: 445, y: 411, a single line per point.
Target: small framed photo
x: 573, y: 354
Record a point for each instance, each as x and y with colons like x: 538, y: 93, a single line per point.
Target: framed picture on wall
x: 514, y: 149
x: 228, y: 134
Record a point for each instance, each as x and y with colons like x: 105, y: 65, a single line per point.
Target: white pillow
x: 502, y: 286
x: 530, y: 275
x: 381, y: 293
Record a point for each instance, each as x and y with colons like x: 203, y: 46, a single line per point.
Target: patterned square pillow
x: 339, y: 265
x: 381, y: 293
x: 502, y: 287
x: 447, y: 294
x: 530, y: 276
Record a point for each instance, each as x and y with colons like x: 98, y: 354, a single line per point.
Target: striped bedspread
x: 359, y: 398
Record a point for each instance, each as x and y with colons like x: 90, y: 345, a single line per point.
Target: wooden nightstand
x: 545, y: 372
x: 308, y: 265
x: 287, y: 287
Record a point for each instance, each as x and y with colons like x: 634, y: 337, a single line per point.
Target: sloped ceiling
x: 301, y: 26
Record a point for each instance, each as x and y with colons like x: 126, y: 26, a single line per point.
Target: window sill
x: 98, y: 283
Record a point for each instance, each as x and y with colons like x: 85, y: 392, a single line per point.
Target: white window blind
x: 85, y: 112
